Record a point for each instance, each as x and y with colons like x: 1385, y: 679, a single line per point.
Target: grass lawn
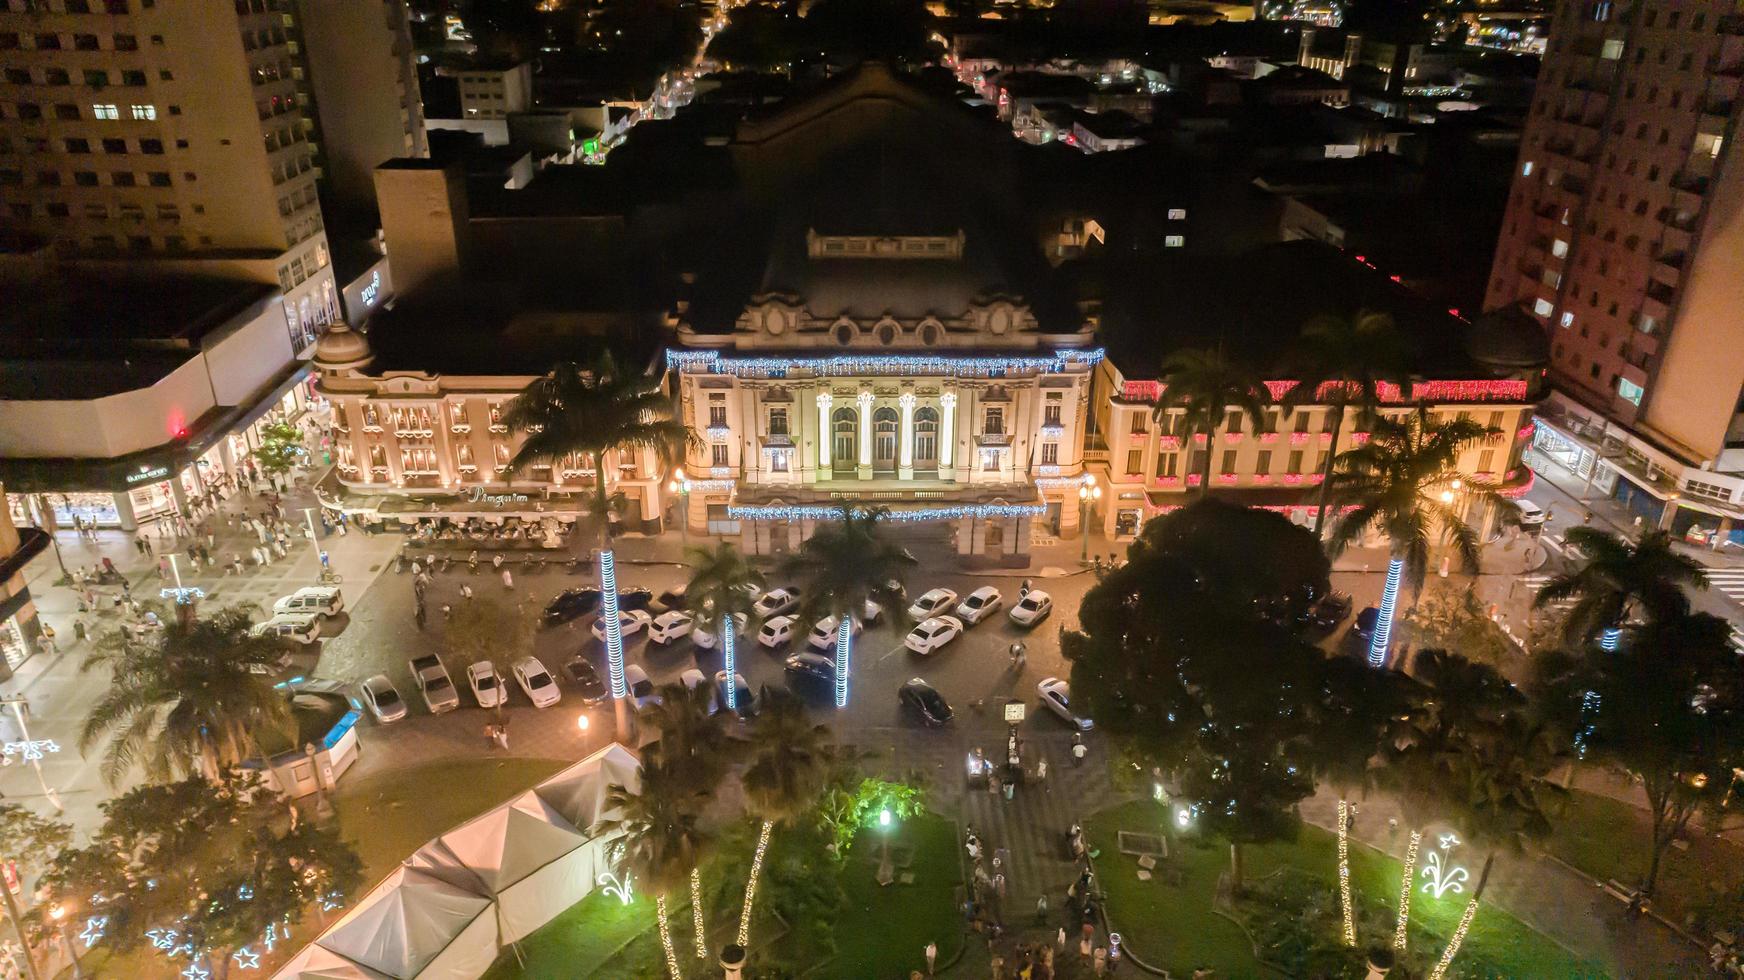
x: 1173, y: 926
x: 389, y: 815
x: 883, y: 930
x: 1608, y: 838
x: 580, y: 942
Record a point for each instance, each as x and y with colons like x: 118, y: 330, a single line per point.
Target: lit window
x: 1629, y: 390
x: 1559, y: 248
x: 105, y: 112
x: 1177, y: 214
x: 1613, y: 49
x: 1543, y: 307
x: 1568, y: 318
x: 144, y: 111
x: 1526, y: 169
x: 1174, y: 241
x: 718, y: 455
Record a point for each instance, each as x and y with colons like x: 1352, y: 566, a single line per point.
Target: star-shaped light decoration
x: 165, y: 939
x: 196, y: 972
x: 95, y: 926
x: 1450, y: 841
x: 246, y: 959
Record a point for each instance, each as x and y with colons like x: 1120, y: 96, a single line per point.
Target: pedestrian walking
x: 508, y: 580
x: 139, y: 544
x: 1042, y: 774
x: 999, y: 885
x: 211, y: 539
x: 466, y: 591
x: 48, y: 638
x: 236, y: 564
x: 1060, y: 940
x: 1099, y: 961
x: 205, y: 556
x: 932, y: 954
x: 419, y: 615
x: 974, y: 849
x: 163, y: 569
x: 1113, y: 957
x: 1042, y: 910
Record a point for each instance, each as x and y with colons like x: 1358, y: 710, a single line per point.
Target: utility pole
x: 31, y: 749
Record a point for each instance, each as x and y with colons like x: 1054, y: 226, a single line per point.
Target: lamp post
x: 1086, y: 493
x: 321, y: 554
x: 680, y: 485
x: 59, y: 915
x: 32, y: 749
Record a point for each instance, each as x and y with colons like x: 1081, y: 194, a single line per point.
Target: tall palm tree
x: 847, y: 564
x: 660, y: 842
x: 693, y: 748
x: 1502, y: 799
x: 1344, y: 363
x: 593, y: 410
x: 1451, y: 702
x: 1207, y: 385
x: 1618, y: 579
x: 723, y: 585
x: 789, y: 768
x: 189, y: 699
x: 1402, y: 482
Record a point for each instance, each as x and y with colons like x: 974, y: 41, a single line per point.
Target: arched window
x: 926, y: 439
x: 842, y: 423
x: 844, y: 334
x: 884, y: 426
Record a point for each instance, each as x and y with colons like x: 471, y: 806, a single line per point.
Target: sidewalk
x: 1561, y: 490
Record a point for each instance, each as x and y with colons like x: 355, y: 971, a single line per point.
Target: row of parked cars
x: 299, y: 616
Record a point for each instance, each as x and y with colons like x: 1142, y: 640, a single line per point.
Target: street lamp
x: 320, y: 553
x: 581, y: 722
x: 1087, y: 492
x: 59, y: 915
x: 680, y: 485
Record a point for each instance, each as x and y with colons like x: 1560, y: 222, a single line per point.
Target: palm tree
x: 847, y: 565
x: 660, y: 843
x: 1502, y: 797
x: 1451, y: 703
x: 593, y: 410
x: 693, y: 749
x: 1402, y: 482
x: 723, y: 585
x: 789, y: 768
x: 1344, y: 363
x: 1617, y: 579
x: 1207, y: 385
x: 188, y: 699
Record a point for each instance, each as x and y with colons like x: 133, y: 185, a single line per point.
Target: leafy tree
x: 1344, y: 363
x: 783, y: 780
x: 31, y: 843
x: 1207, y: 385
x: 281, y: 447
x: 211, y: 861
x: 658, y: 842
x: 851, y: 806
x: 1618, y: 579
x: 847, y: 564
x: 485, y: 629
x: 1452, y: 617
x: 1251, y: 557
x: 1401, y: 483
x: 694, y: 750
x: 722, y: 587
x: 188, y: 700
x: 1670, y: 712
x: 594, y: 410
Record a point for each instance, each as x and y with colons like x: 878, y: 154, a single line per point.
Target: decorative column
x: 825, y: 431
x: 905, y: 447
x: 947, y: 432
x: 864, y: 400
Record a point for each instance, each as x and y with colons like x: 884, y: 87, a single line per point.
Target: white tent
x: 524, y: 855
x: 416, y: 926
x: 579, y: 792
x: 316, y: 963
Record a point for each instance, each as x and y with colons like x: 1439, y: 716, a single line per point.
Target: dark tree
x: 1240, y: 554
x: 893, y: 30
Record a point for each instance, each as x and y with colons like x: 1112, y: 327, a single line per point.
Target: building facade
x: 1621, y: 239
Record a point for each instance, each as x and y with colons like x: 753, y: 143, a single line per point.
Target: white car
x: 1032, y: 608
x: 708, y: 641
x: 433, y: 680
x: 777, y: 602
x: 641, y: 689
x: 486, y: 683
x: 302, y: 627
x: 933, y: 633
x: 823, y: 635
x: 321, y: 600
x: 630, y: 622
x: 693, y: 679
x: 1531, y: 515
x: 383, y: 701
x: 932, y: 603
x: 669, y: 627
x: 540, y: 686
x: 1056, y: 696
x: 776, y: 633
x: 873, y: 613
x: 980, y: 604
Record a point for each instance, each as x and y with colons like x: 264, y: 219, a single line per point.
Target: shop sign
x: 1014, y: 712
x: 496, y: 499
x: 372, y: 292
x: 148, y: 473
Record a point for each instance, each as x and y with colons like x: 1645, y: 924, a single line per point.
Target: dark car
x: 673, y: 598
x: 811, y: 665
x: 629, y: 599
x: 925, y: 701
x: 1326, y: 614
x: 1364, y: 628
x: 585, y: 676
x: 571, y: 604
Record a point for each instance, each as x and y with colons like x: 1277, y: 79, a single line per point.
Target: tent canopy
x: 316, y: 962
x: 405, y: 923
x: 579, y: 792
x: 505, y: 845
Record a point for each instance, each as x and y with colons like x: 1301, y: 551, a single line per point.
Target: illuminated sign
x: 148, y: 473
x: 372, y: 292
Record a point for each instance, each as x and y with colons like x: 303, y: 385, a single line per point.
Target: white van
x: 1531, y: 515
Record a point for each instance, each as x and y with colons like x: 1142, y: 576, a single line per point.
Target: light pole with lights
x: 680, y: 485
x: 59, y: 916
x: 1087, y: 492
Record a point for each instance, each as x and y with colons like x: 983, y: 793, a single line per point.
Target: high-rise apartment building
x: 1624, y: 237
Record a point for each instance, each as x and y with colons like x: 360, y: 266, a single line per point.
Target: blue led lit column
x: 1610, y: 639
x: 614, y: 629
x: 1384, y: 622
x: 731, y: 661
x: 844, y: 641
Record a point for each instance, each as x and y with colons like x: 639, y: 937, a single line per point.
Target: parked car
x: 745, y: 702
x: 776, y: 633
x: 381, y: 699
x: 812, y: 666
x: 933, y: 633
x: 1531, y: 515
x: 630, y: 622
x: 693, y: 679
x: 1056, y: 696
x: 571, y: 604
x: 301, y: 627
x: 634, y: 599
x: 669, y: 627
x: 486, y: 684
x: 823, y: 634
x: 321, y: 600
x: 642, y: 693
x: 931, y: 603
x: 925, y: 702
x: 872, y: 614
x: 777, y: 602
x: 433, y: 680
x: 979, y: 604
x: 586, y: 677
x: 1326, y: 613
x: 673, y: 598
x: 708, y: 640
x: 1032, y: 608
x: 537, y: 682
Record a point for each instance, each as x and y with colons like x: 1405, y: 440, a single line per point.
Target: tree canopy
x: 1248, y: 556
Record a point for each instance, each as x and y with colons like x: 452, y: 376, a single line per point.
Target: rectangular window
x: 718, y: 454
x: 105, y: 111
x: 717, y: 415
x: 1167, y: 464
x: 995, y: 422
x: 1559, y: 248
x: 989, y: 460
x: 1264, y: 463
x: 1629, y: 391
x: 1228, y: 461
x: 1177, y: 214
x: 778, y: 462
x: 1050, y: 454
x: 1543, y: 307
x: 144, y: 111
x: 778, y: 421
x: 1174, y: 241
x: 1295, y: 463
x: 1134, y: 462
x: 1051, y: 414
x: 1139, y: 422
x: 1487, y: 461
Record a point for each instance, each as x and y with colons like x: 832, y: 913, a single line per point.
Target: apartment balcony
x: 1657, y: 301
x: 1668, y: 269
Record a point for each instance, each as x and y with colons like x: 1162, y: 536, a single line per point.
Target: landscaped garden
x: 1291, y: 907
